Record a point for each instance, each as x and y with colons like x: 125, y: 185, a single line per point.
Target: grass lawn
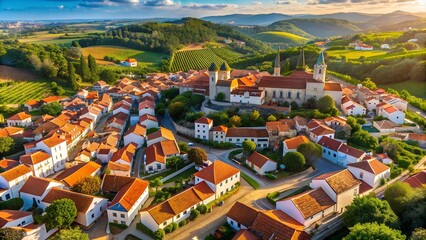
x: 43, y: 37
x: 415, y: 88
x: 144, y: 58
x: 274, y: 155
x: 250, y: 180
x: 185, y: 174
x: 162, y: 174
x: 355, y: 54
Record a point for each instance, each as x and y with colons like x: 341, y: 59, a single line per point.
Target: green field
x: 43, y: 37
x: 389, y: 56
x: 280, y: 37
x: 226, y: 54
x: 355, y: 54
x: 144, y: 58
x: 194, y: 59
x: 23, y: 91
x: 415, y: 88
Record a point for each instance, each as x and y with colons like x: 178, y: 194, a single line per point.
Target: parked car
x: 221, y: 203
x: 190, y: 144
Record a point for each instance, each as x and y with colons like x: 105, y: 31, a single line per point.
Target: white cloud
x: 210, y: 6
x: 61, y: 6
x: 158, y: 3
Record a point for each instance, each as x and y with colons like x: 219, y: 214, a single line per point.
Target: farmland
x: 354, y: 54
x: 194, y: 59
x: 226, y: 54
x: 415, y: 88
x: 62, y: 39
x: 280, y: 37
x: 144, y: 58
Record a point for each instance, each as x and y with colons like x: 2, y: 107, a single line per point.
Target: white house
x: 130, y: 62
x: 319, y: 132
x: 390, y: 112
x: 125, y: 154
x: 300, y: 123
x: 89, y: 208
x: 135, y: 134
x: 35, y: 189
x: 119, y: 169
x: 149, y: 121
x: 371, y: 103
x: 160, y: 135
x: 241, y: 216
x: 74, y: 174
x: 246, y: 94
x: 219, y: 176
x: 130, y: 195
x: 12, y: 180
x: 146, y: 107
x: 56, y: 147
x: 385, y: 126
x: 397, y: 102
x: 176, y: 208
x: 308, y: 207
x: 157, y: 154
x: 202, y: 128
x: 340, y: 153
x: 260, y: 163
x: 371, y: 171
x: 385, y: 46
x: 101, y: 86
x: 15, y: 218
x: 364, y: 47
x: 259, y: 136
x: 291, y: 145
x: 21, y: 119
x: 40, y: 163
x: 384, y: 158
x: 341, y: 186
x: 219, y: 133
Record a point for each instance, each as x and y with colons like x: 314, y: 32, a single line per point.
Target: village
x: 179, y: 155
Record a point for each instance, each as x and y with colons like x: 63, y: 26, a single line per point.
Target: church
x: 254, y: 87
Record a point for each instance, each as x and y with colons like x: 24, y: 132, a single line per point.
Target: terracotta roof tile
x: 15, y: 172
x: 247, y: 132
x: 35, y: 185
x: 146, y: 117
x: 162, y: 132
x: 125, y: 153
x: 417, y: 180
x: 11, y: 215
x: 217, y: 172
x: 340, y: 181
x: 282, y: 82
x: 245, y: 235
x: 34, y: 158
x: 258, y: 159
x: 129, y: 194
x: 10, y: 131
x: 322, y: 130
x: 312, y: 202
x: 54, y: 140
x: 204, y: 120
x: 373, y: 166
x: 220, y: 128
x: 83, y: 202
x: 332, y: 86
x: 74, y: 174
x: 294, y: 143
x: 20, y: 116
x: 6, y: 164
x: 157, y: 152
x: 243, y: 214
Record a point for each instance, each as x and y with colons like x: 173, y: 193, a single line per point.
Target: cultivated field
x: 226, y: 54
x: 280, y: 37
x: 354, y: 54
x: 43, y: 37
x: 415, y: 88
x: 194, y: 59
x: 144, y: 58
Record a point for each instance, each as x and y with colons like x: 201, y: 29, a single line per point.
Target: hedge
x: 12, y: 204
x: 141, y: 227
x: 271, y: 197
x: 119, y: 225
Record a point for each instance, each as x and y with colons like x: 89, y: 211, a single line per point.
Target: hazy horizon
x: 142, y: 9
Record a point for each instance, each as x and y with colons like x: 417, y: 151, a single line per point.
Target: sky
x: 110, y: 9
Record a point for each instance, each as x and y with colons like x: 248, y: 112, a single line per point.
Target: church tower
x: 213, y: 77
x: 320, y: 68
x: 225, y: 72
x: 277, y: 66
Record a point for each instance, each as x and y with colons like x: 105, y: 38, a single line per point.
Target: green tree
x: 398, y: 195
x: 156, y: 183
x: 108, y: 76
x: 93, y: 67
x: 294, y: 161
x: 11, y: 234
x: 235, y: 121
x: 159, y: 234
x: 310, y: 150
x: 60, y: 214
x: 71, y: 234
x: 174, y: 162
x: 414, y: 213
x: 75, y: 44
x: 368, y: 83
x: 248, y: 147
x: 88, y: 185
x: 84, y: 69
x: 202, y: 209
x: 6, y: 145
x: 418, y: 234
x: 271, y: 118
x: 71, y: 76
x: 220, y: 97
x: 194, y: 214
x: 176, y: 110
x: 286, y: 67
x: 197, y: 155
x: 53, y: 108
x: 254, y: 115
x: 183, y: 147
x: 373, y: 231
x: 326, y: 104
x: 370, y: 209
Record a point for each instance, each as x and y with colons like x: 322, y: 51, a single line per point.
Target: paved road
x: 138, y: 162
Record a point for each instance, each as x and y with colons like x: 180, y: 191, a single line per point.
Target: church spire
x: 277, y: 66
x: 301, y: 61
x: 320, y: 60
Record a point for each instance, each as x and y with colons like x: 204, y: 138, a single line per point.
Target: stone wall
x: 184, y: 130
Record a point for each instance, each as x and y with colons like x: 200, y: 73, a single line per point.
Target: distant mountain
x: 392, y: 18
x: 349, y: 16
x: 416, y: 24
x: 248, y: 19
x: 322, y: 28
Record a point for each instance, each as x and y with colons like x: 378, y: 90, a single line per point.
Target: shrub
x: 395, y: 171
x: 159, y: 234
x: 382, y: 181
x: 194, y: 214
x: 12, y: 204
x: 202, y: 209
x: 294, y: 161
x: 182, y: 223
x: 271, y: 197
x: 270, y: 176
x: 175, y: 226
x: 404, y: 162
x: 168, y: 228
x: 145, y: 229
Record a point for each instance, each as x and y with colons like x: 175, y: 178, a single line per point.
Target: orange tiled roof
x: 146, y: 117
x: 52, y: 141
x: 74, y: 174
x: 129, y: 194
x: 247, y: 132
x: 34, y: 158
x: 83, y: 202
x: 217, y: 172
x: 258, y: 159
x: 20, y: 116
x: 243, y: 214
x: 157, y: 152
x: 322, y: 130
x: 220, y: 128
x: 417, y: 137
x: 11, y: 215
x: 15, y: 172
x: 204, y: 120
x: 35, y: 185
x: 373, y: 166
x: 294, y: 143
x: 162, y: 132
x: 312, y: 202
x: 125, y: 153
x: 332, y: 86
x: 340, y: 181
x: 8, y: 163
x: 245, y: 235
x: 417, y: 180
x: 51, y: 99
x: 10, y: 131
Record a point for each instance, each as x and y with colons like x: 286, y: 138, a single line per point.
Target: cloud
x: 286, y: 2
x: 257, y: 3
x: 158, y: 3
x: 209, y: 6
x: 61, y: 6
x: 126, y: 1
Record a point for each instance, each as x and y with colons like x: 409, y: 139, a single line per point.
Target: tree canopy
x: 11, y: 234
x: 326, y: 104
x: 88, y: 185
x: 60, y: 214
x: 373, y: 231
x: 53, y: 108
x: 311, y: 151
x: 398, y: 195
x: 248, y: 146
x: 71, y: 234
x: 108, y: 76
x: 370, y: 209
x: 197, y: 155
x: 6, y: 145
x: 294, y: 161
x: 235, y: 121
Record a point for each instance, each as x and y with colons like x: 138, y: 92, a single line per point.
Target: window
x: 226, y: 181
x: 164, y: 223
x: 123, y: 222
x: 273, y: 94
x: 221, y: 184
x: 232, y: 223
x: 93, y: 215
x: 334, y: 155
x: 281, y: 94
x: 361, y: 175
x: 186, y: 211
x: 319, y: 71
x: 289, y: 95
x: 122, y: 215
x: 178, y: 216
x: 158, y: 166
x: 298, y: 95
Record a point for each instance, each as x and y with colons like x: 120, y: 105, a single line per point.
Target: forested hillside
x: 169, y: 37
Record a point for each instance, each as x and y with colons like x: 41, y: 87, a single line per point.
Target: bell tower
x: 320, y: 68
x: 277, y: 65
x: 213, y: 77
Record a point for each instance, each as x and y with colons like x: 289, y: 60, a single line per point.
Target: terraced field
x: 194, y: 59
x: 280, y: 37
x: 21, y: 92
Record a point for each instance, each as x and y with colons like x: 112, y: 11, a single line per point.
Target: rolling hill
x: 248, y: 19
x: 393, y: 18
x: 280, y: 37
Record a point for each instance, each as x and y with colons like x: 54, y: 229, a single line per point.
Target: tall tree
x: 60, y: 214
x: 94, y: 75
x: 370, y: 209
x: 88, y: 185
x: 374, y: 231
x: 108, y: 76
x: 326, y: 104
x: 311, y: 151
x: 71, y: 76
x: 197, y: 155
x: 84, y: 70
x: 398, y: 195
x: 235, y: 121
